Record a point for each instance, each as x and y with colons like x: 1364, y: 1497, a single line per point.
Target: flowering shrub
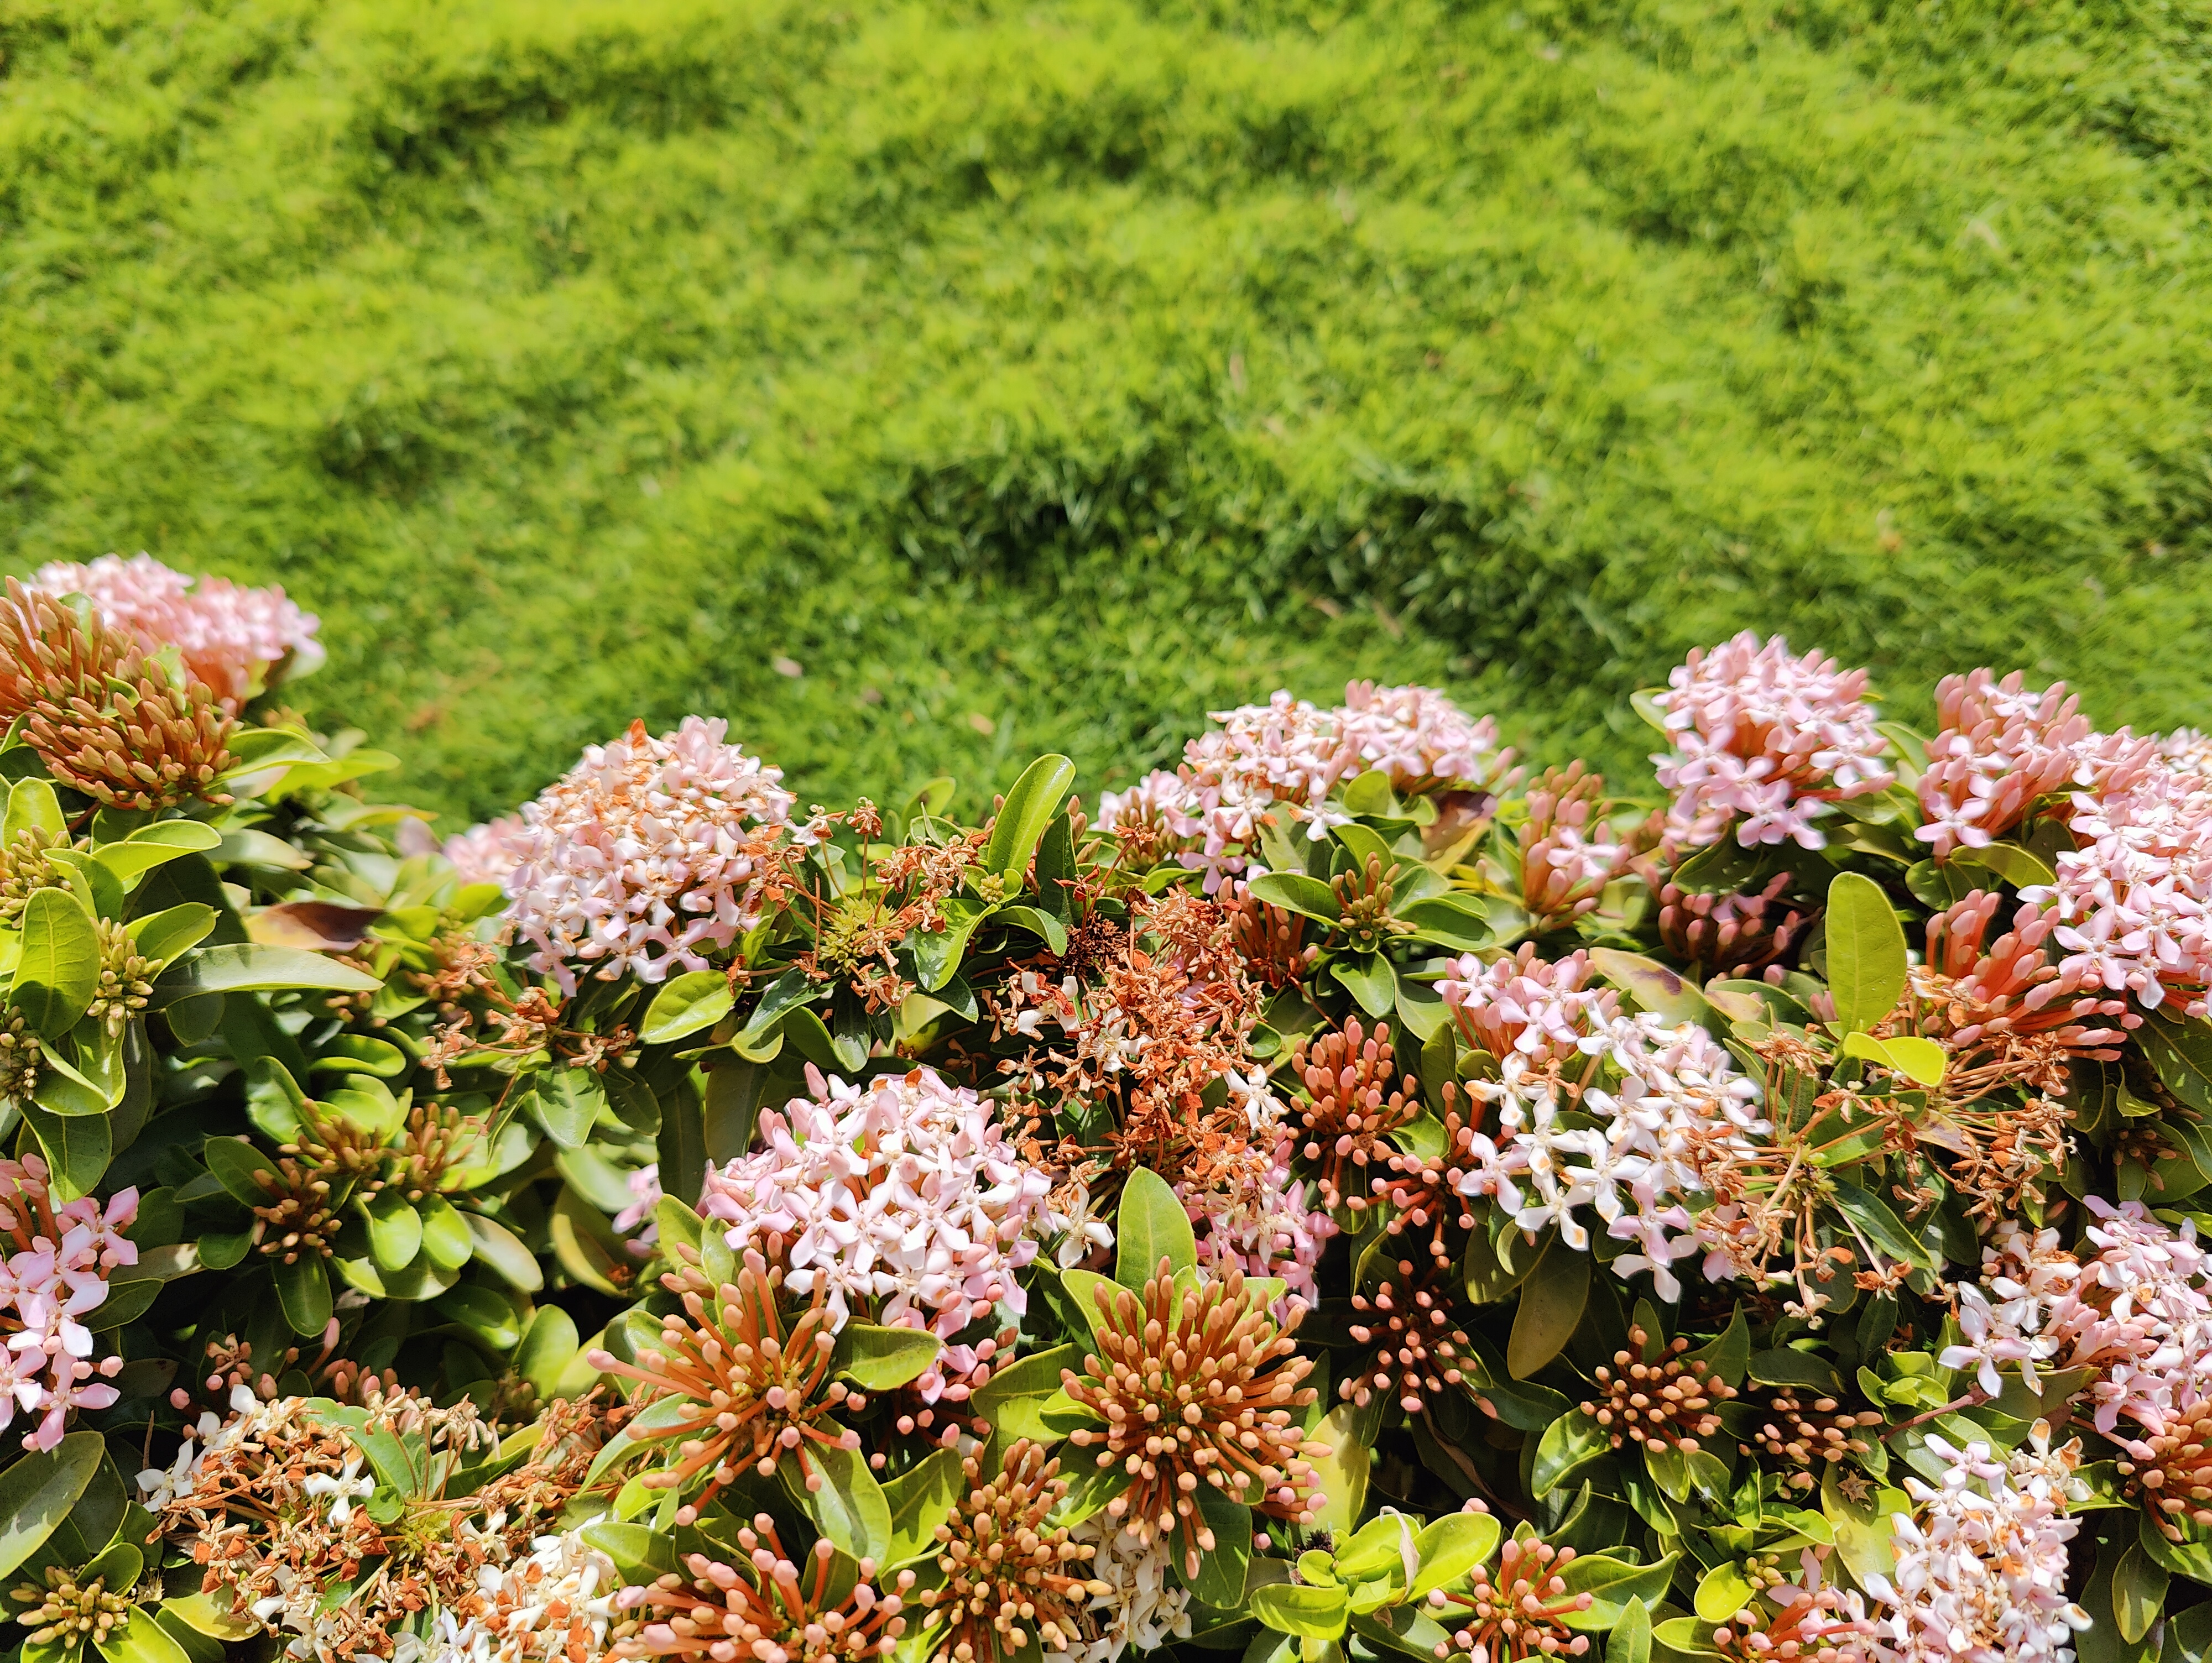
x: 1338, y: 1201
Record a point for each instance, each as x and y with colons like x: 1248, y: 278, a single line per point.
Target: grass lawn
x: 924, y: 388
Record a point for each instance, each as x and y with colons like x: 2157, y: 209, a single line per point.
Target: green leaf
x: 1652, y: 986
x: 1722, y: 1592
x: 58, y: 968
x: 1309, y: 1613
x: 498, y: 1248
x: 1631, y: 1640
x: 1294, y: 892
x: 921, y: 1498
x: 162, y: 936
x: 140, y: 1639
x: 1876, y: 1221
x: 1151, y: 1226
x: 880, y: 1359
x: 2010, y: 862
x: 1220, y: 1579
x: 1568, y: 1444
x: 1083, y: 1291
x: 1550, y: 1309
x: 1029, y: 808
x: 1038, y: 922
x: 1922, y: 1061
x: 395, y: 1230
x: 1613, y: 1585
x: 1343, y: 1471
x: 685, y: 1005
x: 1451, y: 1546
x: 251, y: 968
x: 156, y: 845
x: 303, y: 1289
x: 37, y: 1492
x: 565, y: 1104
x: 2138, y: 1592
x: 487, y: 1314
x: 446, y: 1239
x: 1369, y: 979
x: 32, y: 805
x: 239, y: 1168
x: 849, y: 1505
x: 1867, y: 961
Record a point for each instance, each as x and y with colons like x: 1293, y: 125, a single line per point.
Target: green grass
x: 1037, y: 376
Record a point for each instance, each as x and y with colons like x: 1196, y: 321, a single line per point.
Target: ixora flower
x: 763, y: 1607
x: 1765, y: 742
x: 901, y: 1196
x: 646, y: 856
x: 53, y: 1279
x: 235, y: 640
x: 1981, y: 1572
x: 1008, y: 1574
x: 1290, y: 753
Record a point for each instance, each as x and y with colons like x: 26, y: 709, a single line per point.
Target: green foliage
x: 1035, y: 378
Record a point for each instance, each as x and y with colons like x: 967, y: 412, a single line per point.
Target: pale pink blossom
x: 1521, y: 1004
x: 645, y: 857
x: 1982, y: 1561
x: 1292, y: 756
x: 487, y: 853
x: 55, y: 1276
x: 1270, y: 1227
x: 1764, y: 741
x: 233, y: 639
x: 901, y: 1199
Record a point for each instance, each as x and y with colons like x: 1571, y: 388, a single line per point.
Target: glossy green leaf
x: 920, y: 1498
x: 1867, y: 961
x: 879, y: 1359
x: 1220, y: 1579
x: 685, y: 1005
x: 849, y: 1505
x: 32, y: 805
x: 156, y: 845
x: 1551, y: 1308
x: 446, y: 1239
x: 395, y: 1230
x: 1613, y: 1585
x: 1310, y: 1613
x: 565, y: 1104
x: 1369, y: 979
x: 251, y: 968
x: 1631, y: 1639
x: 58, y: 967
x: 2139, y: 1587
x: 239, y: 1168
x: 1921, y: 1061
x: 162, y: 936
x: 1568, y: 1444
x: 1151, y: 1226
x: 140, y: 1639
x: 37, y: 1491
x: 303, y: 1289
x: 1294, y: 892
x: 497, y: 1248
x: 1451, y: 1546
x: 549, y: 1345
x: 1029, y: 808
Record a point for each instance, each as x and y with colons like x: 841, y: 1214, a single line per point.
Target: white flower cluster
x: 645, y: 856
x: 554, y: 1605
x: 1981, y: 1576
x: 2138, y: 1315
x: 901, y: 1196
x: 1631, y: 1151
x: 1764, y: 741
x: 1292, y: 754
x: 1143, y: 1607
x: 228, y: 636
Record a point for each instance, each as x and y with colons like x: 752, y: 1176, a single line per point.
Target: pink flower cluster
x: 1997, y: 750
x: 1766, y: 742
x: 1521, y: 1005
x: 900, y: 1197
x: 1271, y: 1227
x: 1981, y: 1573
x: 1629, y: 1145
x: 2134, y: 902
x: 485, y: 853
x: 56, y: 1275
x: 644, y: 857
x: 1292, y: 754
x: 2138, y: 1315
x: 231, y: 638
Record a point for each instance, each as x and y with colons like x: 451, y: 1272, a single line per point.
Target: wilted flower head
x: 1196, y: 1386
x: 764, y: 1608
x: 1765, y: 741
x: 233, y: 639
x: 552, y: 1604
x: 646, y: 856
x: 901, y: 1195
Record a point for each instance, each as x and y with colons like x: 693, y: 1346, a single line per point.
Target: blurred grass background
x: 1038, y: 376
